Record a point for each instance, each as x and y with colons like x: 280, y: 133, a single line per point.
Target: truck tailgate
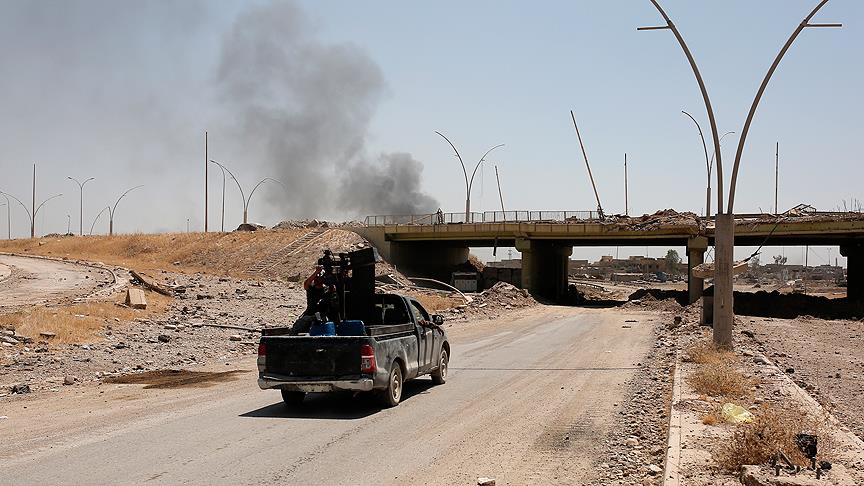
x: 313, y: 356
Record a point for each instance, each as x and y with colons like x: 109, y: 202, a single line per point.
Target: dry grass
x: 716, y: 373
x: 705, y: 352
x: 773, y: 429
x: 78, y: 323
x: 215, y: 253
x: 720, y: 380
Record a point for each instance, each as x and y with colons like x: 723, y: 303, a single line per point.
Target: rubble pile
x: 649, y: 302
x: 667, y: 218
x: 493, y: 302
x: 313, y: 223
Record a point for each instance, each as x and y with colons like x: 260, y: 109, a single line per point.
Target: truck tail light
x: 367, y: 359
x: 262, y: 357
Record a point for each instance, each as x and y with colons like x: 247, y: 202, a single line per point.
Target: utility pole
x: 206, y: 179
x: 68, y: 223
x: 776, y: 177
x: 585, y: 156
x: 626, y: 205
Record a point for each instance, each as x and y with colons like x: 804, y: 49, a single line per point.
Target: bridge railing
x: 484, y: 217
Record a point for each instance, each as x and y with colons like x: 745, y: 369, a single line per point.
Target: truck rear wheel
x: 439, y: 376
x: 293, y: 398
x: 390, y: 396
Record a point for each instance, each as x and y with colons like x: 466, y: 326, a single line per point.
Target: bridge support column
x: 545, y: 267
x: 696, y: 248
x: 854, y: 253
x: 429, y: 260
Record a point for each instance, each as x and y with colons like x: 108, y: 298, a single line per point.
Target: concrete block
x: 135, y: 298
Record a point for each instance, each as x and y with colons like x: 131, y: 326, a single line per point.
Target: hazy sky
x: 123, y: 92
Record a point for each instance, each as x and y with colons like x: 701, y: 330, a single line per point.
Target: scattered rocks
x: 20, y: 389
x: 163, y: 338
x: 485, y: 482
x: 69, y: 380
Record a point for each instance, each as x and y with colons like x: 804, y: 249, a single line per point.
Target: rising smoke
x: 303, y: 107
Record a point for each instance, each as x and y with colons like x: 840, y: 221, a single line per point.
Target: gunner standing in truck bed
x: 315, y: 290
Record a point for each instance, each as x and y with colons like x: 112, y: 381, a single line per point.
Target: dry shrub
x: 710, y: 419
x: 705, y: 352
x: 719, y: 380
x: 78, y: 323
x: 773, y: 429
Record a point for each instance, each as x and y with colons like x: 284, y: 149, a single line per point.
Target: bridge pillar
x: 427, y: 259
x: 545, y: 267
x: 854, y: 253
x: 696, y: 247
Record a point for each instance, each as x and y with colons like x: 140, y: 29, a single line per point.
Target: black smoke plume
x: 302, y: 108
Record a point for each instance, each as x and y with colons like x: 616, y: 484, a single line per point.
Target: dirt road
x: 33, y: 280
x: 528, y: 401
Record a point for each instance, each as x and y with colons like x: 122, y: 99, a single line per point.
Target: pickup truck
x: 401, y: 342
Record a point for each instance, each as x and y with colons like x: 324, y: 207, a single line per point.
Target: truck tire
x: 390, y: 396
x: 439, y: 376
x: 293, y: 398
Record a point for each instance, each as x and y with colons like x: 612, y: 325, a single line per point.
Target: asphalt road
x: 527, y: 401
x: 35, y: 280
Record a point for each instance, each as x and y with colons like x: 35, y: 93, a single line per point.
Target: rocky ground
x: 183, y: 337
x: 825, y: 357
x: 706, y: 434
x: 188, y: 334
x: 635, y: 451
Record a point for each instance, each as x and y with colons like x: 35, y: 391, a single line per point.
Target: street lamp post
x: 223, y: 194
x: 8, y: 205
x: 81, y: 204
x: 469, y: 183
x: 245, y: 200
x: 724, y: 244
x: 107, y: 208
x: 30, y: 215
x: 709, y: 163
x: 111, y: 210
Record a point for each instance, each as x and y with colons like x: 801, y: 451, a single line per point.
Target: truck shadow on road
x: 340, y: 406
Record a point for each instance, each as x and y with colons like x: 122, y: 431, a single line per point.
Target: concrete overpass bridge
x: 431, y: 244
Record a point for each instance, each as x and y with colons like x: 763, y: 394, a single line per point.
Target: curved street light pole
x: 8, y: 217
x: 29, y: 215
x: 249, y: 199
x: 724, y: 245
x: 222, y: 167
x: 707, y: 164
x: 107, y: 208
x: 243, y: 197
x: 468, y: 182
x: 81, y: 204
x: 111, y: 210
x: 671, y: 26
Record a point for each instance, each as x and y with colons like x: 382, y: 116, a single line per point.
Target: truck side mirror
x: 437, y: 319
